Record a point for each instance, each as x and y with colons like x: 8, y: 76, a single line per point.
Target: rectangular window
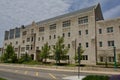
x: 6, y: 35
x: 32, y: 39
x: 109, y: 29
x: 23, y: 49
x: 31, y: 47
x: 101, y: 59
x: 100, y: 44
x: 53, y: 26
x: 16, y: 42
x: 110, y: 43
x: 69, y: 34
x: 84, y: 57
x: 32, y: 31
x: 83, y: 20
x: 27, y: 47
x: 68, y: 45
x: 87, y: 44
x: 39, y: 39
x: 37, y: 48
x: 42, y: 38
x: 86, y: 31
x: 79, y: 44
x: 23, y: 41
x: 100, y: 31
x: 11, y: 34
x: 79, y: 32
x: 63, y: 34
x: 28, y: 39
x: 66, y: 23
x: 17, y: 32
x: 41, y: 29
x: 16, y: 49
x: 54, y: 36
x: 111, y: 59
x: 24, y: 33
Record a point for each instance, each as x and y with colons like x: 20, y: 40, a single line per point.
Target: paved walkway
x: 74, y: 78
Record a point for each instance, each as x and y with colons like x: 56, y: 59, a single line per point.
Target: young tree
x: 9, y: 55
x: 45, y: 52
x: 25, y: 58
x: 59, y: 50
x: 81, y: 52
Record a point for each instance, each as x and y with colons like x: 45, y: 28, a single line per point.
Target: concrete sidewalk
x: 110, y: 71
x: 74, y: 78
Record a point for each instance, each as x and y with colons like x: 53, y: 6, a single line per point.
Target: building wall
x: 105, y: 36
x: 95, y: 22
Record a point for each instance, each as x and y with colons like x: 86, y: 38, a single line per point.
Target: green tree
x: 44, y: 54
x: 76, y: 56
x: 9, y: 55
x: 59, y: 50
x: 25, y: 58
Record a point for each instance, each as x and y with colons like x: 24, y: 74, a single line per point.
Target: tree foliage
x: 59, y: 50
x: 76, y: 56
x: 25, y: 58
x: 9, y: 55
x: 44, y: 54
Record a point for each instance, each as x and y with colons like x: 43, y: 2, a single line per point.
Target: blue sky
x: 14, y: 13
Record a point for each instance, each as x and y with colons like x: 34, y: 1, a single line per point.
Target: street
x: 23, y: 73
x: 26, y: 73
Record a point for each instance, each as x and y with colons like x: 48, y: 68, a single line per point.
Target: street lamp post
x: 115, y: 64
x: 79, y: 61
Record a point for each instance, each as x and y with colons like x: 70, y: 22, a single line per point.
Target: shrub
x: 25, y: 58
x: 96, y: 77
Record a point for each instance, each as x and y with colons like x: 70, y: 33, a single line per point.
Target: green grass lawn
x: 2, y: 79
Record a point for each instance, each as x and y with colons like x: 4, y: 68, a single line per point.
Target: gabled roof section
x: 69, y: 14
x: 98, y: 13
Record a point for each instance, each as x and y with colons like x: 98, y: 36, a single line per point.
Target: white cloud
x: 17, y: 12
x: 14, y: 13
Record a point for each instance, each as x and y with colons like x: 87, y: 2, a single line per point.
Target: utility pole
x: 115, y: 64
x: 79, y: 61
x: 75, y: 48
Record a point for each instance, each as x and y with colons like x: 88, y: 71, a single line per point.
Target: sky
x: 14, y: 13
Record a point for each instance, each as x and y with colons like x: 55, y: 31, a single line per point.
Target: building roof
x: 69, y: 14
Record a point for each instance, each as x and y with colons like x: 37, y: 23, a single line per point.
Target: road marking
x: 52, y: 76
x: 26, y: 72
x: 36, y: 73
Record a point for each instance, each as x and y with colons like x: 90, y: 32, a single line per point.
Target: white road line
x: 36, y: 73
x: 52, y: 76
x: 26, y: 72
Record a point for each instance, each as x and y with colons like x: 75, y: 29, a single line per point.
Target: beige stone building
x: 108, y: 37
x: 84, y: 27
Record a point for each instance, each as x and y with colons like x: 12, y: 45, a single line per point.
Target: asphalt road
x: 26, y: 73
